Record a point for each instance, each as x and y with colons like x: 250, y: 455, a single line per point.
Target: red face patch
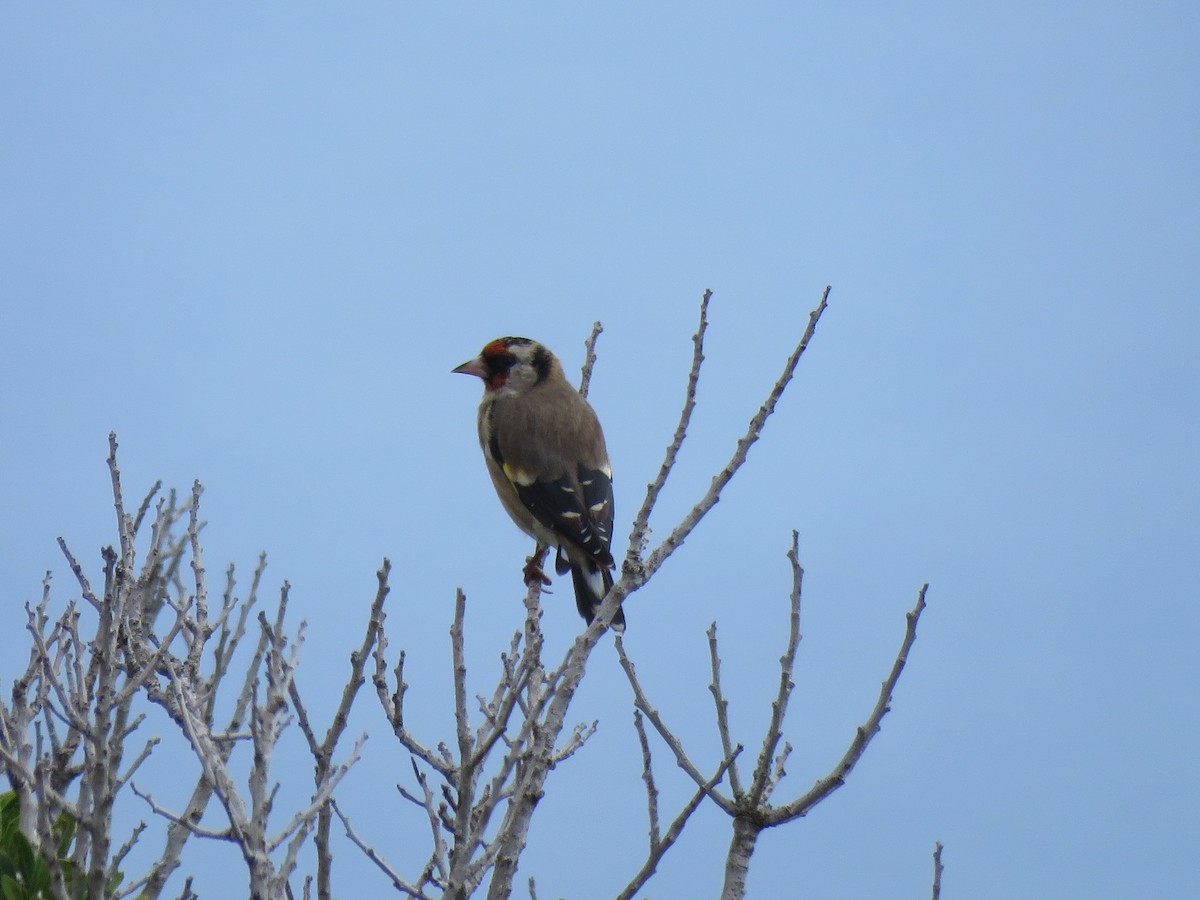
x: 496, y: 348
x: 499, y: 360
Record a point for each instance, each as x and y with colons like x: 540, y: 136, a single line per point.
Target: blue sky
x: 253, y: 240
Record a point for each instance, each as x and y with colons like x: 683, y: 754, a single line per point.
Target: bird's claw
x: 533, y: 568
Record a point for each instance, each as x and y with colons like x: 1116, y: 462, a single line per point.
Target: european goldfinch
x: 545, y: 452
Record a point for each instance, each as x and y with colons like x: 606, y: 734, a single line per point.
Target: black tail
x: 592, y: 582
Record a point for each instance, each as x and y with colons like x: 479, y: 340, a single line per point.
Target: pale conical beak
x: 473, y: 367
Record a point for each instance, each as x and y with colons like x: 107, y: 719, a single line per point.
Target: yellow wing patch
x: 516, y: 476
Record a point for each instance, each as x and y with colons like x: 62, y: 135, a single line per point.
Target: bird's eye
x: 501, y: 362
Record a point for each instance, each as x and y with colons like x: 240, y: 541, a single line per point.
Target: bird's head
x: 511, y: 364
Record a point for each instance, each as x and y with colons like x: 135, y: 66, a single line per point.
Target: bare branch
x: 641, y: 522
x: 676, y: 746
x: 439, y: 858
x: 753, y: 432
x: 124, y: 524
x: 200, y: 598
x: 760, y: 790
x: 648, y: 777
x: 136, y: 764
x: 658, y: 849
x: 399, y: 883
x: 225, y: 834
x: 85, y: 586
x: 722, y: 707
x: 119, y: 858
x: 393, y: 706
x: 779, y: 769
x: 458, y: 655
x: 179, y: 832
x: 147, y: 500
x: 323, y: 752
x: 579, y: 736
x: 937, y: 870
x: 865, y: 732
x: 589, y: 361
x: 297, y: 831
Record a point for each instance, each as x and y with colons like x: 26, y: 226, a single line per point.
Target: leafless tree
x: 158, y: 639
x: 159, y: 644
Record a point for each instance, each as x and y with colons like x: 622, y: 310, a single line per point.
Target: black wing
x: 579, y: 508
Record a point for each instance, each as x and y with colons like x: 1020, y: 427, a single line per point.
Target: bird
x: 546, y: 455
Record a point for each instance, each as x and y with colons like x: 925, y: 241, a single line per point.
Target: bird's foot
x: 533, y: 568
